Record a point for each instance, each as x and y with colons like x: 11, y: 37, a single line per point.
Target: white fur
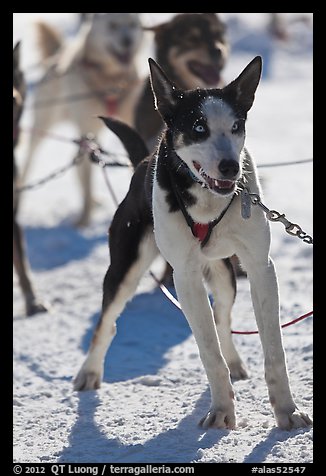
x: 220, y: 118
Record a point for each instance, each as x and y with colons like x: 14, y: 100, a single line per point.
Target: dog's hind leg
x: 220, y: 278
x: 32, y: 305
x: 35, y: 139
x: 130, y: 257
x: 44, y: 119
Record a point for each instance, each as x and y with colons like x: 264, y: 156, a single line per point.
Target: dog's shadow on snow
x: 183, y: 444
x: 147, y: 328
x: 178, y: 445
x: 274, y: 438
x: 54, y: 246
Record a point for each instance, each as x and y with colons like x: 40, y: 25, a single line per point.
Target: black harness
x: 199, y: 230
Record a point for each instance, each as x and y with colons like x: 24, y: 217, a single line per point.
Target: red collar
x: 111, y: 103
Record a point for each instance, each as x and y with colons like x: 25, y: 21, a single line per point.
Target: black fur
x: 134, y: 145
x: 131, y: 221
x: 171, y: 167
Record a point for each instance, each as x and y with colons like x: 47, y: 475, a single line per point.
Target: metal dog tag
x: 245, y: 204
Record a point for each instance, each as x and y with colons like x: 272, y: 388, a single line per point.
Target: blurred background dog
x: 192, y: 49
x: 32, y: 304
x: 98, y: 64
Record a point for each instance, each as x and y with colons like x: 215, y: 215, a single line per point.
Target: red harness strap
x: 200, y: 230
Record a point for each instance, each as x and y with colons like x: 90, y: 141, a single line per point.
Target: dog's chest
x: 176, y: 231
x: 111, y: 91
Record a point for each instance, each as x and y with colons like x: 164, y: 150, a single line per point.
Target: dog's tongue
x: 208, y: 73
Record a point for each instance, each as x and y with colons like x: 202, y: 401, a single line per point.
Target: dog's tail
x: 133, y: 143
x: 48, y: 38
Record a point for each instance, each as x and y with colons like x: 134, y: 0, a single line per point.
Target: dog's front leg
x: 196, y: 307
x: 264, y: 291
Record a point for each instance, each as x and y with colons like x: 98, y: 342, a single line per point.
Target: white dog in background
x: 98, y: 69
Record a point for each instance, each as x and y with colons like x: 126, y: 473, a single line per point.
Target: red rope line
x: 177, y: 304
x: 300, y: 318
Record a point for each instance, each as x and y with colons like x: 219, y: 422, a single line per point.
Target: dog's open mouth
x: 220, y: 186
x: 209, y: 73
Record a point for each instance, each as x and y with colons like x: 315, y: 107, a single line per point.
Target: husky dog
x: 99, y: 66
x: 184, y: 201
x: 192, y: 49
x: 32, y: 304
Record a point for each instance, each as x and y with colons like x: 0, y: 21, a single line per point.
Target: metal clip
x: 273, y: 215
x: 294, y: 229
x: 245, y: 204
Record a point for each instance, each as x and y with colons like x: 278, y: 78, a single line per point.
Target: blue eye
x: 237, y: 125
x: 199, y: 128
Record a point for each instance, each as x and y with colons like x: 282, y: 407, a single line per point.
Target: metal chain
x: 272, y: 215
x: 87, y: 145
x: 57, y: 173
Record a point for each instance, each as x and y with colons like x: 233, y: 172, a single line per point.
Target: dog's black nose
x: 229, y: 168
x: 126, y: 41
x: 216, y: 53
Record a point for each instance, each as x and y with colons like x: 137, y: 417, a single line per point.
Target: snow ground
x: 155, y: 389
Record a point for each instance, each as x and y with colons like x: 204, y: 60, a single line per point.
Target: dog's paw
x: 238, y: 370
x: 219, y: 418
x: 292, y: 420
x: 35, y: 307
x: 87, y: 380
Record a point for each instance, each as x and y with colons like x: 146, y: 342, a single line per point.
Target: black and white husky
x: 185, y: 202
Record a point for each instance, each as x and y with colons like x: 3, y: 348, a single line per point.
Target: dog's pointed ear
x: 242, y: 90
x: 16, y: 54
x: 163, y: 89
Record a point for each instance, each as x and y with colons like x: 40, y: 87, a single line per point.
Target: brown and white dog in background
x: 32, y: 304
x: 99, y: 64
x: 192, y: 49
